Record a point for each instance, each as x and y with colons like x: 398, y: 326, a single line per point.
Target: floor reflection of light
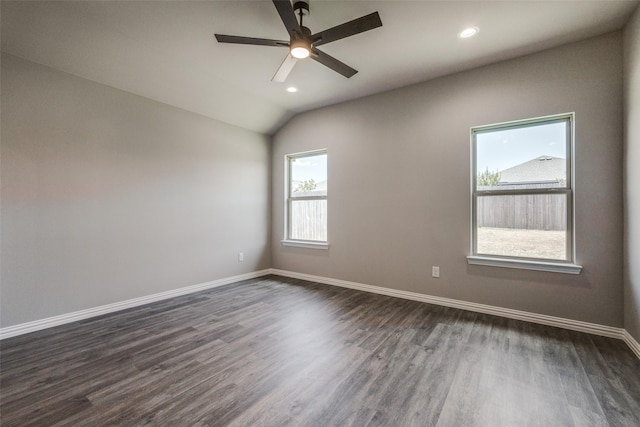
x: 305, y: 333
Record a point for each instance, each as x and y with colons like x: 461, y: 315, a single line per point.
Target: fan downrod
x: 302, y: 7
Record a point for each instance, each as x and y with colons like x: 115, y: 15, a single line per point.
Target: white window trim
x: 305, y: 244
x: 563, y: 266
x: 286, y: 241
x: 554, y: 267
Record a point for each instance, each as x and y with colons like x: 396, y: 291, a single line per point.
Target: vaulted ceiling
x: 166, y: 50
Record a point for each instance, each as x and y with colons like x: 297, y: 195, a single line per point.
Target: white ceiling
x: 166, y: 50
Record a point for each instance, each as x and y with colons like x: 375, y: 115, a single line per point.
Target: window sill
x: 305, y: 244
x: 526, y: 265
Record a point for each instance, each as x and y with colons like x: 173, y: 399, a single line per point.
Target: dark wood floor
x: 275, y: 352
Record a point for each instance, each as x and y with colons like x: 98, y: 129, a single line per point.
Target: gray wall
x: 399, y: 182
x: 108, y: 196
x: 632, y: 176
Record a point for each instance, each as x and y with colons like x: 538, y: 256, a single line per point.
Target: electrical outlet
x: 435, y: 271
x: 240, y: 256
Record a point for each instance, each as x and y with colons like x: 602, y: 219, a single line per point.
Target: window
x: 522, y: 195
x: 306, y: 213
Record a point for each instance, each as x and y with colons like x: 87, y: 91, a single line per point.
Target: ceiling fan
x: 302, y: 43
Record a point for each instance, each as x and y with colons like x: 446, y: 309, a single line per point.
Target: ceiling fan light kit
x: 300, y: 49
x: 302, y: 42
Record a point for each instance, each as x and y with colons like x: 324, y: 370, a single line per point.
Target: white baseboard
x: 632, y: 343
x: 574, y: 325
x: 36, y: 325
x: 559, y: 322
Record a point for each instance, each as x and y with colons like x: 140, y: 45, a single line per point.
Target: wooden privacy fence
x: 529, y: 212
x: 309, y: 220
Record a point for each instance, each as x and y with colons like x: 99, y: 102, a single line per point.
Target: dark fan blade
x: 357, y: 26
x: 222, y: 38
x: 333, y: 63
x: 284, y: 70
x: 288, y: 16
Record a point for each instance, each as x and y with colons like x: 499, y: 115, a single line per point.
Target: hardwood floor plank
x: 277, y: 351
x: 618, y: 405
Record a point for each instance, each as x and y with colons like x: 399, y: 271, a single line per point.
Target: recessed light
x: 292, y: 89
x: 468, y: 32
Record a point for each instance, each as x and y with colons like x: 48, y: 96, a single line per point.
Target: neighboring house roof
x: 542, y: 169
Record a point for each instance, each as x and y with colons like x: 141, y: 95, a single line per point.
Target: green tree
x: 308, y: 185
x: 488, y: 178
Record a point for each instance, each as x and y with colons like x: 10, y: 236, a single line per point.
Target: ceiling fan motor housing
x: 306, y: 32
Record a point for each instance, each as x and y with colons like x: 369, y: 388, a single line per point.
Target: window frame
x: 567, y: 265
x: 289, y: 199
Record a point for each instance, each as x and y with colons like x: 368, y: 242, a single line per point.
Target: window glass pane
x: 308, y: 220
x: 529, y: 226
x: 531, y: 156
x: 309, y: 176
